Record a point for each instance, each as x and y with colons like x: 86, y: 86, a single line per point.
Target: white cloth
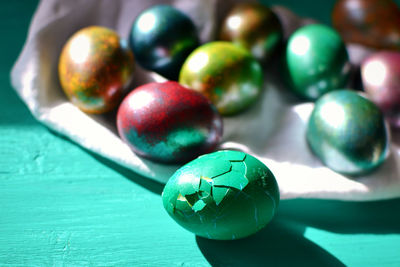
x: 273, y: 130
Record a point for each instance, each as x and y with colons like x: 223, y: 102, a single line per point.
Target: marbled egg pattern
x: 226, y: 74
x: 348, y: 133
x: 373, y: 23
x: 161, y: 38
x: 94, y: 67
x: 254, y: 27
x: 168, y: 123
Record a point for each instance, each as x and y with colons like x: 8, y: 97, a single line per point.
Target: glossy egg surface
x: 94, y: 66
x: 373, y: 23
x: 316, y: 61
x: 223, y: 195
x: 381, y: 81
x: 161, y: 38
x: 348, y: 133
x: 253, y: 26
x: 168, y: 123
x: 226, y: 74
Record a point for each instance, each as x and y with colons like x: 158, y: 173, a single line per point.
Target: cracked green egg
x: 223, y: 195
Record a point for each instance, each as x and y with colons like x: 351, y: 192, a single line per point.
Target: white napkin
x: 272, y: 130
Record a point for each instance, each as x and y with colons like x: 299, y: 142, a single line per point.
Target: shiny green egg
x: 348, y: 133
x: 226, y: 74
x: 224, y: 195
x: 316, y: 61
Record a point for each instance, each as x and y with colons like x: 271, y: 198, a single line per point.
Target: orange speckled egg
x: 94, y: 66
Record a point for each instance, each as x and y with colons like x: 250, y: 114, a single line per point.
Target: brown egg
x: 373, y: 23
x: 94, y: 67
x: 254, y: 27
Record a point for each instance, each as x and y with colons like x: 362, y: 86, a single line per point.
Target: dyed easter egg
x: 373, y: 23
x: 168, y: 123
x: 381, y: 80
x: 161, y: 38
x: 254, y: 27
x: 316, y: 61
x: 94, y: 67
x: 223, y: 195
x: 226, y: 74
x: 348, y: 133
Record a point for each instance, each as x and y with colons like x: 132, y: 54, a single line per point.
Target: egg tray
x: 273, y: 130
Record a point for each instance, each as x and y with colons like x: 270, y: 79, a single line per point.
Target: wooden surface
x: 63, y: 206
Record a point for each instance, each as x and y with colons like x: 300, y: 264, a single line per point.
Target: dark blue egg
x: 161, y: 38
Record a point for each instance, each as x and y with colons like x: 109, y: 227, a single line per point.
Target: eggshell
x: 94, y: 67
x: 223, y: 195
x: 161, y: 38
x: 348, y: 133
x: 168, y: 123
x: 226, y: 74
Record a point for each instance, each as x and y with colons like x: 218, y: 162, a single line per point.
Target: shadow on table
x: 377, y: 217
x: 145, y: 182
x: 281, y: 243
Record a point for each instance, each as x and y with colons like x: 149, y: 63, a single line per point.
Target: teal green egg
x: 224, y: 195
x: 316, y: 61
x: 348, y: 133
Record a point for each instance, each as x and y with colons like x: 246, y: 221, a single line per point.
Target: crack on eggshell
x: 216, y: 183
x: 256, y: 213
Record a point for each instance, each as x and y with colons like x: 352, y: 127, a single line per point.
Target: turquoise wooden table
x: 63, y: 206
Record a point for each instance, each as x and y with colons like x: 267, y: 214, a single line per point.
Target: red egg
x: 168, y: 123
x: 381, y: 80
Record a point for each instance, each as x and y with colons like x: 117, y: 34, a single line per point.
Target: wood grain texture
x: 63, y: 206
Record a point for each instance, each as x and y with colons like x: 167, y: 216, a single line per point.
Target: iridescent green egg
x: 316, y: 61
x: 348, y: 133
x: 226, y: 74
x: 223, y: 195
